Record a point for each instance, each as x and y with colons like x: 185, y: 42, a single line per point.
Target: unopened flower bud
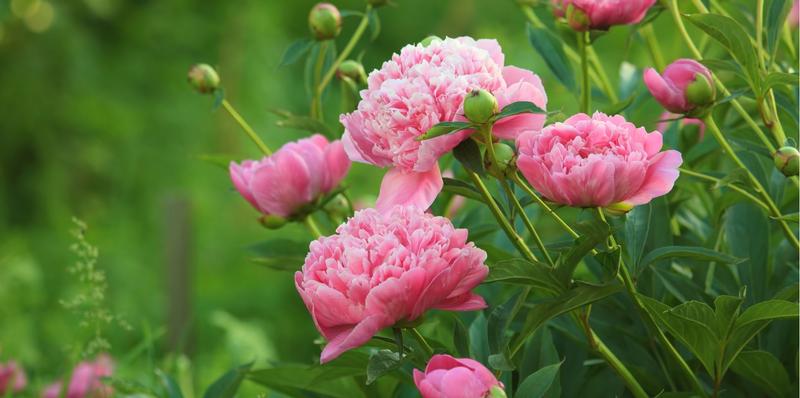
x: 497, y: 392
x: 505, y: 160
x: 352, y: 69
x: 325, y: 21
x: 203, y: 78
x: 271, y: 221
x: 430, y: 39
x: 338, y: 207
x: 701, y: 91
x: 787, y: 160
x: 479, y: 106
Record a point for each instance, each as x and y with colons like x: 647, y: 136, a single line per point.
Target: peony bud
x: 583, y: 15
x: 480, y: 105
x: 685, y: 87
x: 272, y: 221
x: 203, y: 78
x: 325, y: 21
x: 353, y: 70
x: 506, y: 158
x: 430, y: 39
x: 787, y: 160
x: 338, y: 207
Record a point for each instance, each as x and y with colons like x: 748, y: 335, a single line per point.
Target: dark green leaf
x: 591, y: 234
x: 171, y: 388
x: 637, y: 226
x: 516, y: 108
x: 690, y: 252
x: 501, y: 362
x: 619, y: 107
x: 793, y: 217
x: 767, y: 311
x: 537, y: 384
x: 382, y: 362
x: 479, y: 339
x: 497, y: 325
x: 374, y: 24
x: 775, y: 18
x: 550, y: 47
x: 726, y: 310
x: 221, y: 161
x: 296, y: 380
x: 747, y: 236
x: 444, y: 128
x: 458, y: 187
x: 295, y: 50
x: 468, y: 153
x: 764, y: 370
x: 227, y: 385
x: 779, y: 79
x: 460, y: 337
x: 307, y: 124
x: 523, y: 272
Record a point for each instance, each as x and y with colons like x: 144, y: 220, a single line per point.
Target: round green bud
x: 497, y: 392
x: 325, y: 21
x: 506, y: 160
x: 701, y: 92
x: 203, y: 78
x: 352, y: 69
x: 787, y: 160
x: 271, y: 221
x: 479, y: 106
x: 338, y: 207
x: 430, y: 39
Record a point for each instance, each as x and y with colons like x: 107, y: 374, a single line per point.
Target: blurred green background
x: 97, y: 122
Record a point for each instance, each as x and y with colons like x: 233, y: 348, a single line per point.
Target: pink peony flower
x: 597, y: 161
x: 601, y: 14
x: 794, y: 14
x: 448, y: 377
x: 12, y: 378
x: 418, y: 88
x: 663, y: 124
x: 293, y: 177
x: 86, y: 381
x: 670, y: 88
x: 384, y: 267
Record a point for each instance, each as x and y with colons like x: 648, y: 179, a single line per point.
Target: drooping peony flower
x: 664, y: 123
x: 86, y: 381
x: 597, y: 161
x: 685, y: 86
x: 585, y: 15
x: 448, y: 377
x: 381, y: 268
x: 420, y: 87
x: 293, y: 177
x: 12, y: 378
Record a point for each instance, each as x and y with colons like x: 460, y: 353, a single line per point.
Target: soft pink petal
x: 409, y: 188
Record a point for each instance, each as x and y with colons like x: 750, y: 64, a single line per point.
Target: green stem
x: 246, y: 127
x: 652, y: 45
x: 362, y: 26
x: 649, y: 321
x: 421, y: 339
x: 715, y: 180
x: 527, y: 222
x: 544, y: 205
x: 773, y: 209
x: 312, y: 226
x: 316, y: 99
x: 633, y: 385
x: 586, y: 90
x: 516, y: 240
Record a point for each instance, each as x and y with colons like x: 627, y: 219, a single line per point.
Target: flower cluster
x: 12, y: 378
x: 86, y: 381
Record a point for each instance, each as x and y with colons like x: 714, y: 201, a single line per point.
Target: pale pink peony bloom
x: 664, y: 123
x: 603, y: 14
x: 597, y: 161
x: 12, y: 378
x: 420, y: 87
x: 294, y: 176
x: 87, y: 380
x: 669, y: 88
x: 794, y: 14
x: 384, y: 267
x: 448, y: 377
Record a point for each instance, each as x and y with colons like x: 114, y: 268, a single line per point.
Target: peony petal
x: 352, y: 338
x: 409, y: 188
x: 660, y: 179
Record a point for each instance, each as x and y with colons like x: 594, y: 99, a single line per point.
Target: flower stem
x: 312, y: 226
x: 362, y: 26
x: 652, y: 45
x: 527, y: 222
x: 586, y: 93
x: 773, y: 209
x: 731, y: 186
x: 316, y: 98
x: 633, y: 385
x: 544, y: 205
x: 246, y: 127
x: 421, y: 339
x: 649, y: 321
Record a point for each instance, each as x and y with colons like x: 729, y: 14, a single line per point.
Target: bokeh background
x: 97, y: 122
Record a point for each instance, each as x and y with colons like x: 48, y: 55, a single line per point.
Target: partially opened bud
x: 685, y: 87
x: 352, y: 69
x: 787, y: 160
x: 583, y: 15
x: 203, y: 78
x: 479, y: 106
x: 272, y: 221
x: 506, y: 158
x: 325, y: 21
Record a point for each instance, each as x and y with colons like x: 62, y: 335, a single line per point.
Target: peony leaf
x: 764, y: 370
x: 468, y: 153
x: 591, y: 234
x: 444, y: 128
x: 523, y: 272
x: 382, y: 362
x: 227, y: 385
x: 550, y: 47
x: 171, y: 388
x: 637, y: 227
x: 539, y: 382
x: 516, y: 108
x: 774, y: 20
x: 779, y: 79
x: 307, y: 124
x: 297, y: 49
x: 690, y: 252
